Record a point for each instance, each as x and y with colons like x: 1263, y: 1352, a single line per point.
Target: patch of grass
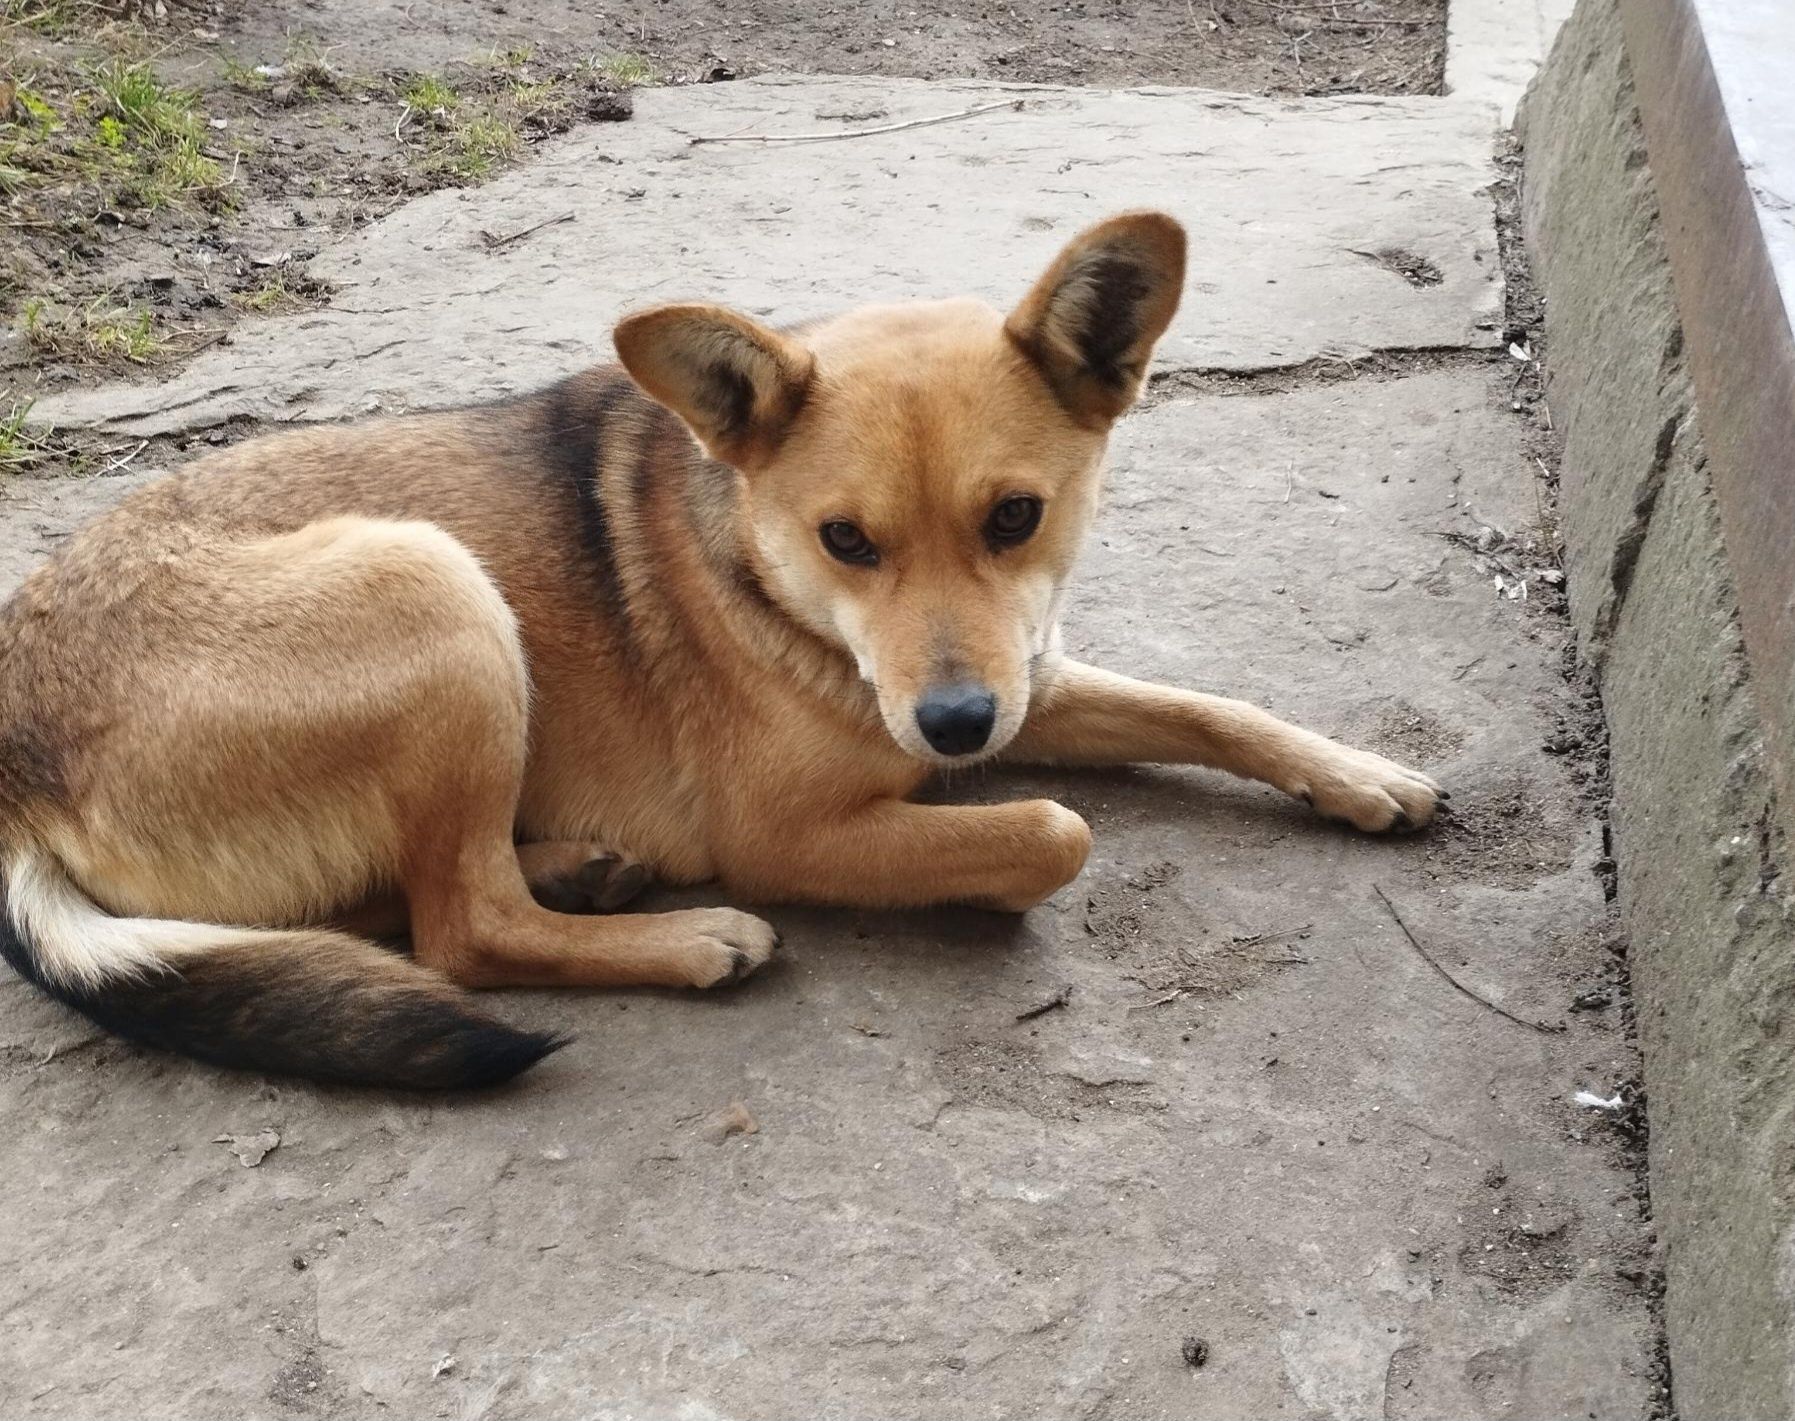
x: 515, y: 57
x: 244, y: 77
x: 154, y: 133
x: 480, y: 145
x: 546, y: 106
x: 469, y: 137
x: 53, y: 18
x: 148, y: 109
x: 304, y: 74
x: 111, y: 133
x: 282, y: 291
x: 627, y: 71
x: 308, y: 69
x: 99, y: 333
x: 431, y: 95
x: 18, y: 448
x: 27, y: 122
x: 532, y: 98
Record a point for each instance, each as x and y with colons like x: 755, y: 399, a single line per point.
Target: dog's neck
x: 692, y: 548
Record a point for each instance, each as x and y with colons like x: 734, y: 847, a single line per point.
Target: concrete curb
x: 1669, y: 377
x: 1723, y: 210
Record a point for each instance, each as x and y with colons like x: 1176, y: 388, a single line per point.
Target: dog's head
x: 917, y: 479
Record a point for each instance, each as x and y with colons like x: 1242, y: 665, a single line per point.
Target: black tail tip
x: 494, y: 1053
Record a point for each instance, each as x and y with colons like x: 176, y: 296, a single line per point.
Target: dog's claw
x: 742, y: 965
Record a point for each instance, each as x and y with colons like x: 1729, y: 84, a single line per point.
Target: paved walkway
x: 1260, y: 1119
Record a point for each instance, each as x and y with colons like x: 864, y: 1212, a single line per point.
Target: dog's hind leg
x: 453, y: 731
x: 570, y: 876
x: 286, y: 727
x: 475, y: 918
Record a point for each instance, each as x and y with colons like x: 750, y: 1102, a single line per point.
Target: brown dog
x: 717, y: 617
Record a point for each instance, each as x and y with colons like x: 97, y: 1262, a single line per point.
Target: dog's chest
x: 643, y: 807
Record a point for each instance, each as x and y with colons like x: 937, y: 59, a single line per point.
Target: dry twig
x: 1058, y: 999
x: 1178, y: 995
x: 1273, y: 936
x: 119, y: 463
x: 858, y: 132
x: 493, y: 243
x: 1415, y: 942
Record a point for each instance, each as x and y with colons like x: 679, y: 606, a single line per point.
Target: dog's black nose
x: 957, y: 720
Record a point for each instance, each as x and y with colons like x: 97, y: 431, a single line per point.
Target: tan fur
x: 345, y: 667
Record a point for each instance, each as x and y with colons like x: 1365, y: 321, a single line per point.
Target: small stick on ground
x: 1178, y: 995
x: 492, y: 243
x: 210, y: 339
x: 1057, y: 1000
x: 1467, y: 542
x: 118, y: 464
x: 1414, y: 942
x: 858, y: 132
x: 1272, y: 936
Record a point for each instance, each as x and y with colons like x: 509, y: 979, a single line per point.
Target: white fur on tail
x: 79, y: 944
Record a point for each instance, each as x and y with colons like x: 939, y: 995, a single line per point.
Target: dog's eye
x: 846, y: 543
x: 1013, y: 520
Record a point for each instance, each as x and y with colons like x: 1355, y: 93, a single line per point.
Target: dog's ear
x: 1091, y: 322
x: 737, y: 385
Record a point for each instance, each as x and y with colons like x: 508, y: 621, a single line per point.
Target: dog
x: 715, y: 614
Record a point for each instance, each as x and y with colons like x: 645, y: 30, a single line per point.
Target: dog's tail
x: 306, y: 1002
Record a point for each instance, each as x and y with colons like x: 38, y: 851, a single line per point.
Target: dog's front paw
x: 724, y: 946
x: 1366, y: 790
x: 1051, y: 852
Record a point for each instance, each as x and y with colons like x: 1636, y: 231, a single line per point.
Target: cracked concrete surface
x: 1259, y: 1119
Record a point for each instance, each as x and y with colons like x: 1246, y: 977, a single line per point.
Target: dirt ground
x: 1207, y: 1136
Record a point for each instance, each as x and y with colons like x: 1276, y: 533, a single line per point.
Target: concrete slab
x: 1368, y: 1195
x: 1288, y: 206
x: 1495, y: 47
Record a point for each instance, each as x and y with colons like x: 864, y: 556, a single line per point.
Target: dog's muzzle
x: 956, y: 720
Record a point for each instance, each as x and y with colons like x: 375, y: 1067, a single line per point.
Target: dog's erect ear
x: 737, y: 385
x: 1091, y: 322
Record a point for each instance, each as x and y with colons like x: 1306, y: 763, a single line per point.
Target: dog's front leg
x: 1086, y: 716
x: 890, y: 853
